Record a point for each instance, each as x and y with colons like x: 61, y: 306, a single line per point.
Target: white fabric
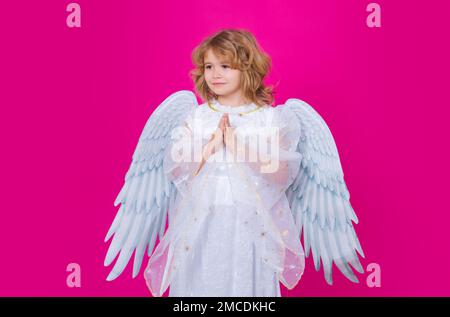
x: 231, y: 231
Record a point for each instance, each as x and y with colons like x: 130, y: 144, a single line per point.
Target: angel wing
x: 146, y: 193
x: 319, y: 198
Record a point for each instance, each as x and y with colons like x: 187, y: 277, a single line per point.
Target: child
x: 243, y: 183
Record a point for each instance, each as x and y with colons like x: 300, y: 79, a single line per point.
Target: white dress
x: 231, y: 231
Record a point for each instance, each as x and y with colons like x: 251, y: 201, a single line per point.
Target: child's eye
x: 224, y: 66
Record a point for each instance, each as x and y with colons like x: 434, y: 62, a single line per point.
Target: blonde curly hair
x: 240, y: 48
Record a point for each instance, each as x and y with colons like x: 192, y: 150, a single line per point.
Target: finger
x: 222, y: 121
x: 225, y: 136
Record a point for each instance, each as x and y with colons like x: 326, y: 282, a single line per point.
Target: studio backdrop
x: 80, y: 79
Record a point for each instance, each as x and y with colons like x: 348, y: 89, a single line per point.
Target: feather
x: 320, y: 199
x: 146, y: 187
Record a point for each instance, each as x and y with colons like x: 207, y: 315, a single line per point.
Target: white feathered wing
x: 319, y: 198
x: 146, y: 193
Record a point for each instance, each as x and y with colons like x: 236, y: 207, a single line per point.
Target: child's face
x: 220, y: 71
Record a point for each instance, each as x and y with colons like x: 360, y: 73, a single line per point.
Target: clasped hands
x: 224, y: 135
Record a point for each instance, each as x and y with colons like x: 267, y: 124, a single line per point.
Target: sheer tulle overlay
x: 231, y: 231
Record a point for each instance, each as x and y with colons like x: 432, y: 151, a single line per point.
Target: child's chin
x: 221, y: 92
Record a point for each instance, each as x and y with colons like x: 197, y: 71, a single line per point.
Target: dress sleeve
x: 275, y: 162
x: 264, y: 182
x: 183, y: 155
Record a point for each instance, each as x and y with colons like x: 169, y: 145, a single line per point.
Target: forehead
x: 210, y: 57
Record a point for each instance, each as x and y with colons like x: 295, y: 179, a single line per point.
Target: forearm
x: 207, y: 151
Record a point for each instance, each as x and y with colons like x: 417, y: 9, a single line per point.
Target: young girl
x: 234, y: 162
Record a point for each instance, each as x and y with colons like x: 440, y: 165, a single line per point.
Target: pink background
x: 74, y: 102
